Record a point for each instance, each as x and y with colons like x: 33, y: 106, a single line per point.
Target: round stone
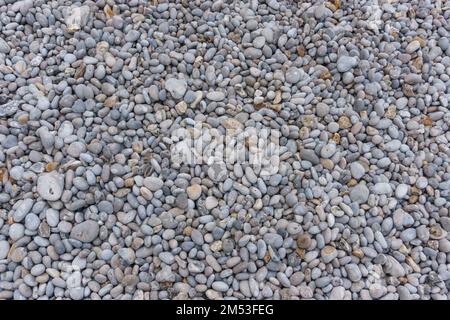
x: 377, y: 290
x: 346, y: 63
x: 382, y: 188
x: 401, y: 191
x: 16, y: 231
x: 32, y: 222
x: 359, y: 193
x: 23, y: 209
x: 75, y: 149
x: 50, y: 186
x: 357, y: 170
x: 197, y: 237
x: 153, y: 183
x: 328, y: 254
x: 322, y: 109
x: 176, y: 87
x: 215, y: 96
x: 211, y: 203
x: 293, y: 75
x: 328, y: 150
x: 422, y: 182
x: 52, y: 217
x: 194, y: 191
x: 304, y: 241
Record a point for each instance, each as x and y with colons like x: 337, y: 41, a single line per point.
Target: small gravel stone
x: 328, y: 151
x: 357, y: 170
x: 413, y: 46
x: 4, y: 249
x: 346, y: 63
x: 293, y: 75
x: 304, y: 241
x: 382, y: 188
x: 377, y: 290
x: 176, y: 87
x: 359, y: 193
x: 22, y: 210
x: 215, y: 96
x: 226, y: 150
x: 86, y: 231
x: 322, y: 109
x: 153, y: 183
x: 50, y: 186
x: 211, y: 202
x: 194, y: 192
x: 401, y: 191
x: 328, y: 254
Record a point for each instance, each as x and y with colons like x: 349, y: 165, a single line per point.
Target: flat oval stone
x: 346, y: 63
x: 50, y: 186
x: 177, y: 88
x: 194, y: 192
x: 215, y: 96
x: 328, y: 254
x: 23, y: 209
x: 86, y: 231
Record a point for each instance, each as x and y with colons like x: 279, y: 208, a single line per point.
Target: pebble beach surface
x: 95, y: 205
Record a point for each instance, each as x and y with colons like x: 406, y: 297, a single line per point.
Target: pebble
x: 382, y: 188
x: 215, y: 96
x: 32, y: 222
x: 176, y: 87
x: 377, y: 290
x: 422, y: 182
x: 293, y: 75
x: 346, y: 63
x: 211, y: 203
x: 413, y: 46
x: 328, y: 254
x: 4, y: 249
x: 127, y: 255
x: 357, y: 170
x: 132, y: 36
x: 392, y: 146
x: 263, y: 150
x: 309, y: 155
x: 359, y: 193
x: 337, y: 293
x: 153, y: 183
x: 50, y: 186
x: 4, y: 47
x: 194, y: 192
x: 23, y: 209
x: 401, y: 191
x: 353, y: 272
x: 304, y: 241
x: 322, y: 109
x: 220, y: 286
x: 16, y: 231
x: 408, y: 235
x: 328, y: 150
x: 86, y: 231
